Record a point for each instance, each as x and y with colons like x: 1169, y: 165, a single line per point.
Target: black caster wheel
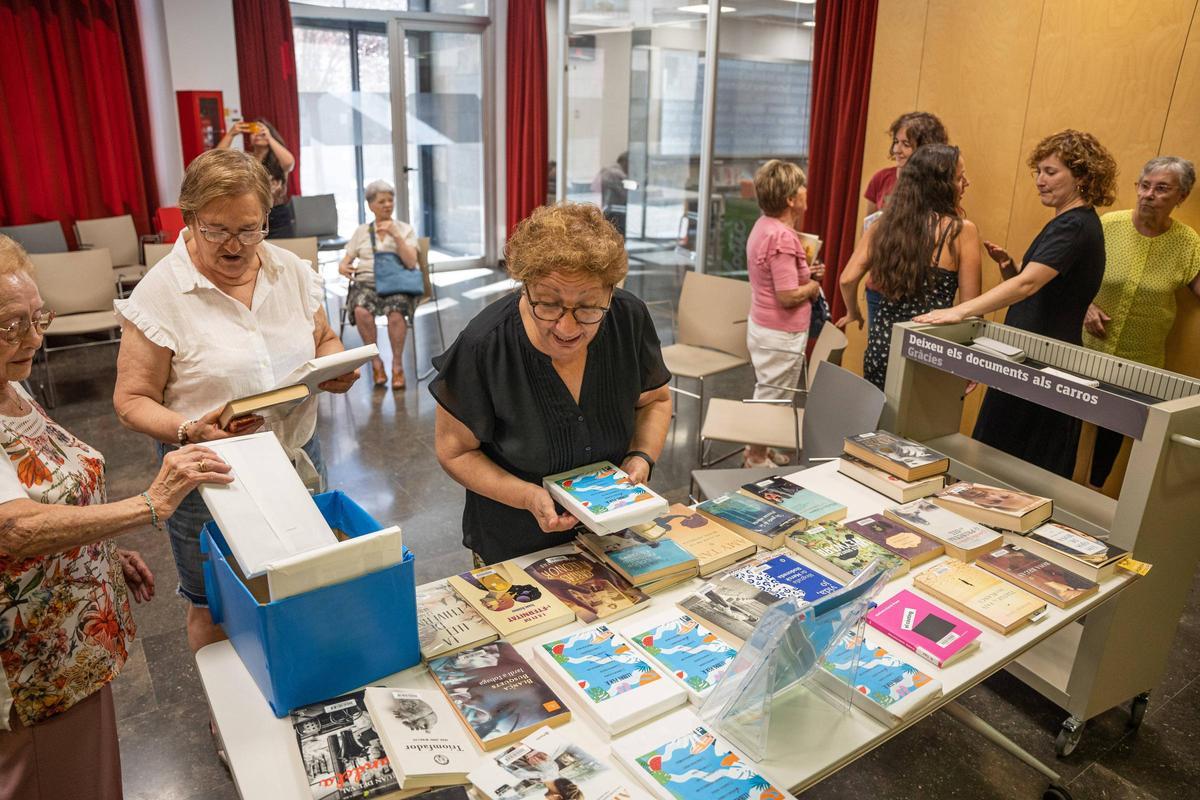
x: 1068, y: 737
x: 1137, y: 710
x: 1055, y: 792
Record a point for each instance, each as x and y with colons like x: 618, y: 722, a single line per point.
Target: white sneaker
x: 754, y: 463
x: 778, y: 458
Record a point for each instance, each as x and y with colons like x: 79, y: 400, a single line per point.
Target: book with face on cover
x: 342, y: 752
x: 790, y: 496
x: 612, y: 682
x: 714, y: 546
x: 841, y: 552
x: 962, y: 538
x: 425, y: 743
x: 639, y: 560
x: 762, y: 523
x: 1037, y: 575
x: 889, y: 485
x: 587, y: 587
x: 992, y: 505
x: 511, y: 600
x: 547, y: 765
x: 446, y: 623
x: 885, y: 686
x: 980, y: 594
x: 927, y: 629
x: 497, y: 694
x: 686, y: 651
x: 1094, y: 559
x: 902, y: 540
x: 604, y: 498
x: 904, y: 458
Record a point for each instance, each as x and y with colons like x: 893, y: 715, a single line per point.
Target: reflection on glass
x: 375, y: 111
x: 472, y: 7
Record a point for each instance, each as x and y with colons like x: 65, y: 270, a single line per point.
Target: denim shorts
x: 184, y: 530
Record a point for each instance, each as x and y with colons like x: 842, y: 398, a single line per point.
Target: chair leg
x: 51, y: 398
x: 700, y: 425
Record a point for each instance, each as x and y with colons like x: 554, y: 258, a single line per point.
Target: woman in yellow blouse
x: 1148, y: 257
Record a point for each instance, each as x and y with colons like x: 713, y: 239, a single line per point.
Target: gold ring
x: 203, y: 465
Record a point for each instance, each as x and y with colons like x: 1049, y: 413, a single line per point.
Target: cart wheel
x: 1068, y: 737
x: 1056, y: 792
x: 1137, y: 710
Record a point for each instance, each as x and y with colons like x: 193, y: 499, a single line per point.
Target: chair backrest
x: 315, y: 215
x: 38, y: 237
x: 115, y: 233
x: 423, y: 263
x: 303, y: 246
x: 831, y: 343
x: 168, y: 221
x: 840, y: 404
x: 156, y: 252
x: 76, y: 283
x: 713, y: 313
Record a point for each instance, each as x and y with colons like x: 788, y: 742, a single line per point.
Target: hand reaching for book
x: 182, y: 471
x: 539, y: 503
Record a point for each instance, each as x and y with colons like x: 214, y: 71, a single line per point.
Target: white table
x: 819, y: 739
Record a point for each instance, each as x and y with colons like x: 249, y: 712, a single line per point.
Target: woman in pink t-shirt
x: 783, y: 288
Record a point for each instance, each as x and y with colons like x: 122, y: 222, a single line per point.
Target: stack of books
x: 753, y: 519
x: 896, y: 467
x: 688, y: 652
x: 962, y: 538
x: 425, y: 744
x: 511, y: 600
x: 790, y: 496
x: 980, y: 595
x: 587, y: 587
x: 995, y: 506
x: 1092, y: 558
x: 649, y: 564
x: 714, y: 546
x: 843, y: 553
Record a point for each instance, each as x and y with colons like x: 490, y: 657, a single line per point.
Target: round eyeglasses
x: 13, y: 332
x: 553, y: 312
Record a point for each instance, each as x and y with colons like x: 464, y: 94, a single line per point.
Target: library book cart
x: 1118, y: 652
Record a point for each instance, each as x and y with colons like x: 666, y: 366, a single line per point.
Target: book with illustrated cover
x: 590, y: 589
x: 927, y: 629
x: 511, y: 600
x: 547, y: 765
x: 713, y: 546
x: 604, y: 498
x: 904, y: 458
x: 681, y: 758
x: 685, y: 650
x: 885, y: 686
x: 804, y: 503
x: 497, y: 694
x: 342, y: 753
x: 610, y: 680
x: 902, y: 540
x: 841, y: 552
x: 995, y: 506
x: 980, y: 594
x: 762, y: 523
x: 885, y: 483
x: 1094, y: 559
x: 639, y: 560
x: 962, y: 538
x: 446, y: 623
x: 422, y: 737
x: 1037, y: 575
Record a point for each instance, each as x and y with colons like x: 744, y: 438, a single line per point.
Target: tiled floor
x: 379, y: 449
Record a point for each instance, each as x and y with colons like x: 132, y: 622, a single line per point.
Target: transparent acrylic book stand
x: 783, y: 655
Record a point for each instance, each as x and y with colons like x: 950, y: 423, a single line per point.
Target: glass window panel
x: 472, y: 7
x: 375, y: 107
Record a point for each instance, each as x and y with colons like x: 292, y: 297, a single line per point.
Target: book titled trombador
x: 604, y: 498
x: 896, y: 455
x: 425, y: 744
x: 995, y: 506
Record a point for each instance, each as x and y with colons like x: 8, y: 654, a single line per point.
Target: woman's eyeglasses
x: 13, y: 332
x: 553, y: 312
x: 221, y: 237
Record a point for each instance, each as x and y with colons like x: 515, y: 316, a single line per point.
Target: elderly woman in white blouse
x: 223, y: 316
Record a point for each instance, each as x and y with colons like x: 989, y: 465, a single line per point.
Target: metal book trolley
x: 1119, y: 651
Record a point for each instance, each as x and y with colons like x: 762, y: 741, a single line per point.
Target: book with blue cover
x: 760, y: 522
x: 639, y: 560
x: 604, y: 498
x: 885, y: 686
x: 686, y: 650
x: 804, y: 503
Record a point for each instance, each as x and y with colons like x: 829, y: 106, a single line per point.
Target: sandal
x: 378, y: 374
x: 777, y: 457
x: 397, y: 381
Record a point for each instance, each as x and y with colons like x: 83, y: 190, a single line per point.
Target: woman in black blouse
x: 1050, y: 293
x: 563, y: 373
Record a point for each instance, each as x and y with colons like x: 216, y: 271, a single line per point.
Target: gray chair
x: 316, y: 215
x: 38, y: 237
x: 119, y: 236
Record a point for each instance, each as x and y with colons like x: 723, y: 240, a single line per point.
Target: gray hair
x: 379, y: 187
x: 1184, y: 170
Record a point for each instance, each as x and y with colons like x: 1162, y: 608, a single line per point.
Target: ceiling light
x: 702, y: 8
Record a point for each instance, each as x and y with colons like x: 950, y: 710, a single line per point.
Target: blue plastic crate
x: 323, y: 643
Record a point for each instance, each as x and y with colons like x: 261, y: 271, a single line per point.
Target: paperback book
x: 608, y: 678
x: 762, y: 523
x: 962, y: 538
x: 713, y: 546
x: 639, y: 560
x: 841, y: 552
x: 497, y: 694
x: 587, y: 587
x: 991, y: 505
x: 885, y: 686
x: 511, y: 600
x: 980, y: 594
x: 342, y: 753
x: 604, y: 498
x: 927, y: 629
x: 425, y: 744
x: 1038, y: 576
x: 904, y: 458
x: 1092, y: 558
x: 885, y: 483
x: 687, y: 651
x: 804, y: 503
x: 446, y: 623
x: 547, y: 764
x: 902, y: 540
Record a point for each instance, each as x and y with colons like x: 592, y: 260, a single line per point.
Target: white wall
x: 160, y: 96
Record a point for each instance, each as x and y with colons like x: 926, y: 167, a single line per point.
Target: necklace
x: 11, y: 405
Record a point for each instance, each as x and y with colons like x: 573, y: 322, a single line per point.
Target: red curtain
x: 267, y: 71
x: 842, y: 54
x: 75, y: 142
x: 526, y: 109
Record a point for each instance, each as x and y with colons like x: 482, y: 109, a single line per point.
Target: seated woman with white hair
x: 398, y: 240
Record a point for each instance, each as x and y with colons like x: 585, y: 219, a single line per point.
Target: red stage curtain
x: 842, y: 54
x: 75, y: 138
x: 526, y: 109
x: 267, y: 71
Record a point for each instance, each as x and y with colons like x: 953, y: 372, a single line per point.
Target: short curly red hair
x: 1087, y: 159
x: 566, y: 238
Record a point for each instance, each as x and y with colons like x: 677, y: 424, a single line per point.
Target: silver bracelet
x: 153, y: 512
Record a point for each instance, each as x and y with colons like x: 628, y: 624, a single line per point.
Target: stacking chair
x: 155, y: 252
x: 79, y: 287
x: 306, y: 247
x: 120, y: 237
x: 38, y: 237
x: 316, y: 215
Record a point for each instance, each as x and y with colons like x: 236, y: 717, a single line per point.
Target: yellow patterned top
x: 1141, y: 276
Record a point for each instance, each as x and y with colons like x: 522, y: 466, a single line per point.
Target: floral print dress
x: 65, y: 619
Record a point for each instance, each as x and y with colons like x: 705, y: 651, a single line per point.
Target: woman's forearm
x: 30, y: 529
x: 1000, y: 296
x: 407, y: 252
x: 286, y: 160
x: 475, y: 471
x: 146, y: 415
x: 650, y: 425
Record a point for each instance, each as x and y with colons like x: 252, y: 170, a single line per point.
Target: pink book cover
x: 928, y: 630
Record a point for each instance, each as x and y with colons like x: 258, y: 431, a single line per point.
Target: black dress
x: 1073, y: 245
x: 507, y: 393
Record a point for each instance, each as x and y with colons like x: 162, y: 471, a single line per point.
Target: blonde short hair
x: 775, y: 182
x: 13, y: 258
x: 220, y: 175
x: 566, y: 238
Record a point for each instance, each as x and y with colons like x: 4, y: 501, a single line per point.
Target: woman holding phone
x: 265, y: 144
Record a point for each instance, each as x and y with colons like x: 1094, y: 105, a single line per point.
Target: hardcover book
x: 497, y: 694
x: 546, y: 764
x: 804, y: 503
x: 962, y: 538
x: 713, y: 546
x: 639, y: 560
x: 686, y: 651
x: 446, y: 623
x: 611, y: 680
x: 604, y: 498
x: 885, y: 686
x: 994, y: 506
x: 422, y: 737
x: 341, y: 751
x: 590, y: 589
x: 1092, y: 558
x: 928, y: 630
x: 1036, y: 575
x: 761, y: 523
x: 889, y: 485
x: 904, y: 458
x: 841, y: 552
x: 511, y: 600
x: 980, y: 594
x: 909, y: 545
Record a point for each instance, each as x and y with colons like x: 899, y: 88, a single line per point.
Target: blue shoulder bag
x: 391, y: 276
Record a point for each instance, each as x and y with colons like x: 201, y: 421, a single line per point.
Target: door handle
x: 407, y: 169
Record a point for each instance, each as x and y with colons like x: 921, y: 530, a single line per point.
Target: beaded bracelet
x: 154, y: 521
